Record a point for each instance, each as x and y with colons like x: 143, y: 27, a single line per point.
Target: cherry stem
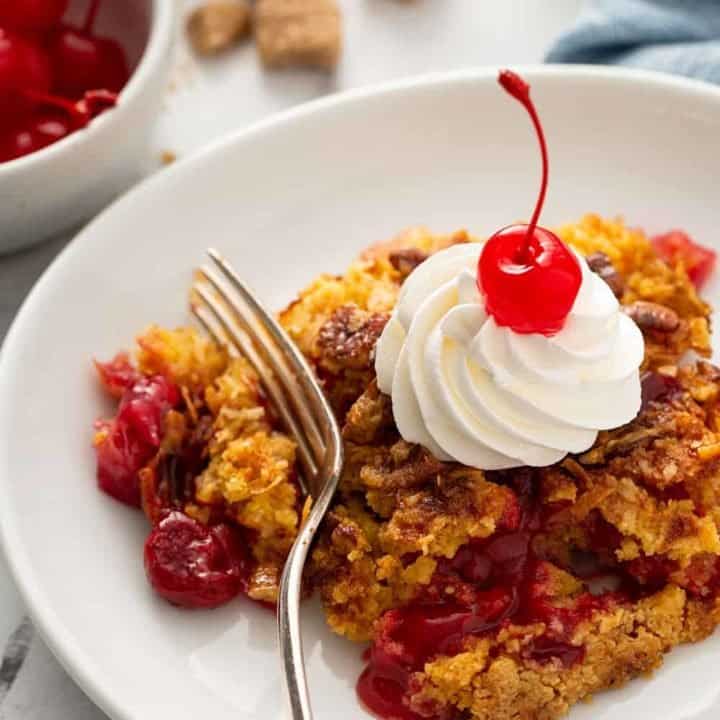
x: 515, y: 86
x: 76, y: 114
x: 91, y: 16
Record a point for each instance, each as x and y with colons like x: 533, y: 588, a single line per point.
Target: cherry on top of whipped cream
x: 527, y: 275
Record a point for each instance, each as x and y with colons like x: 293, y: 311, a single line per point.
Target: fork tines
x: 234, y: 317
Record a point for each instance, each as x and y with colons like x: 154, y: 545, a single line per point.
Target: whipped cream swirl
x: 485, y: 396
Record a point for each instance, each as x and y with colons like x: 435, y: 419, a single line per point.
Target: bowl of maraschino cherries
x: 81, y: 84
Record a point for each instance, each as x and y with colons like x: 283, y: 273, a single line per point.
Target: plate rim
x: 69, y: 653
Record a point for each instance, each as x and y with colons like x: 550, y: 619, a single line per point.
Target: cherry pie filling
x: 134, y: 435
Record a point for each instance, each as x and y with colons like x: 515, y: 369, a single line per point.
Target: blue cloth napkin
x: 675, y: 36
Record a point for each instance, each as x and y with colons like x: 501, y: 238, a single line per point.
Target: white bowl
x: 295, y: 196
x: 57, y: 188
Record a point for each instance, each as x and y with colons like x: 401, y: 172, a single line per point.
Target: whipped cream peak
x: 483, y: 395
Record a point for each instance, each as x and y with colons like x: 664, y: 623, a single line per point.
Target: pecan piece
x: 658, y: 387
x: 407, y: 259
x: 369, y: 418
x: 416, y: 468
x: 708, y: 371
x: 601, y: 265
x: 348, y: 337
x: 264, y: 582
x: 651, y: 316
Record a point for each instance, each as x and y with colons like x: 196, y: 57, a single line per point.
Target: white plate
x: 286, y: 200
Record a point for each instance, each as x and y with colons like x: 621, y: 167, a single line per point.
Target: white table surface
x: 384, y: 40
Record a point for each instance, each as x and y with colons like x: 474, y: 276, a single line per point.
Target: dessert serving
x: 530, y: 503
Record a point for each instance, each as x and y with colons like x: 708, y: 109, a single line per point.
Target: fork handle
x: 289, y: 632
x: 290, y: 637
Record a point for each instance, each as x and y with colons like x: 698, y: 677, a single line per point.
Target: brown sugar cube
x: 298, y: 33
x: 218, y: 24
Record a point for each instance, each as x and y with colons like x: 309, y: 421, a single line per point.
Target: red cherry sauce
x: 494, y: 582
x: 677, y: 247
x: 133, y: 436
x: 527, y: 275
x: 117, y: 375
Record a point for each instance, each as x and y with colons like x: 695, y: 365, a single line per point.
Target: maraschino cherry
x: 527, y: 275
x: 31, y: 16
x: 54, y: 78
x: 82, y: 61
x: 23, y: 66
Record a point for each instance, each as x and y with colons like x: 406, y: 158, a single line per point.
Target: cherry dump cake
x: 471, y: 585
x: 530, y: 504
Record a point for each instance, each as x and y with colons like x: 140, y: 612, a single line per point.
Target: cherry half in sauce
x: 133, y: 436
x: 527, y: 275
x: 193, y: 565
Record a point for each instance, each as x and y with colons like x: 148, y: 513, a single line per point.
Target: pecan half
x: 651, y: 316
x: 601, y: 265
x: 407, y: 259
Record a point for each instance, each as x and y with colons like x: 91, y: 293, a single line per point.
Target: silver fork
x: 234, y: 317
